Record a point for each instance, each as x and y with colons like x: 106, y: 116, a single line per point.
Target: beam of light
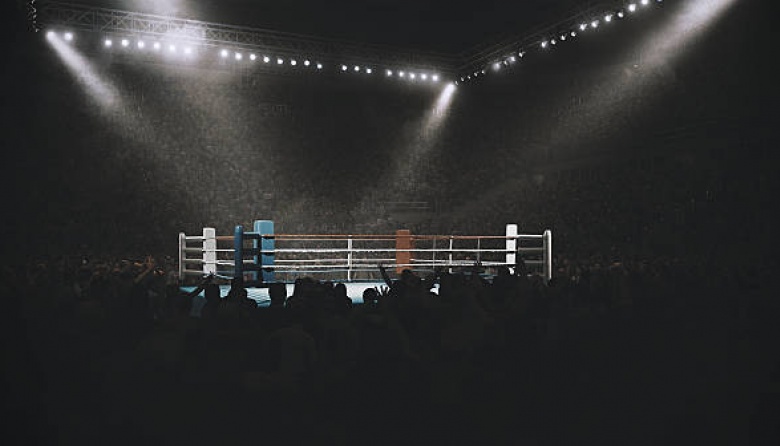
x: 99, y: 90
x: 657, y: 51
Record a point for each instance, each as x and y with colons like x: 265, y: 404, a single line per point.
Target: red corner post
x: 403, y: 242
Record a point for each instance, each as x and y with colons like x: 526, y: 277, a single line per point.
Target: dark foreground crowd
x: 641, y: 353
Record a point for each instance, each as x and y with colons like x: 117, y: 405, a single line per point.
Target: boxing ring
x: 261, y: 257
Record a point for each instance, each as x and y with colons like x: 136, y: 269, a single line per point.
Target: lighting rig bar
x: 54, y: 14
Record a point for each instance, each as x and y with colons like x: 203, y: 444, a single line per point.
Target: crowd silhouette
x: 652, y: 352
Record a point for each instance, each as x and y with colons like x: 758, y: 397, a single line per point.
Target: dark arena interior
x: 640, y: 133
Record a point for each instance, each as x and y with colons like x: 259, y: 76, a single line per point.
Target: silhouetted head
x: 278, y: 294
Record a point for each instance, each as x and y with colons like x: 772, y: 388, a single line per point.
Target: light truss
x: 116, y: 22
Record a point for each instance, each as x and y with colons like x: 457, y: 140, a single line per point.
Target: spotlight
x: 279, y: 61
x: 512, y: 58
x: 435, y: 78
x: 293, y: 62
x: 401, y: 74
x: 620, y: 14
x: 266, y: 59
x: 389, y: 72
x: 583, y: 27
x: 553, y: 41
x: 223, y: 53
x: 544, y: 44
x: 563, y: 37
x: 521, y: 53
x: 125, y: 42
x: 108, y: 43
x: 239, y: 56
x: 424, y: 77
x: 594, y: 24
x: 50, y: 35
x: 172, y: 48
x: 306, y: 62
x: 356, y: 68
x: 632, y: 7
x: 68, y: 36
x: 343, y: 68
x: 574, y: 33
x: 141, y: 44
x: 188, y: 50
x: 156, y: 45
x: 411, y: 75
x: 369, y: 71
x: 608, y: 18
x: 252, y: 57
x: 645, y: 2
x: 319, y: 66
x: 496, y: 66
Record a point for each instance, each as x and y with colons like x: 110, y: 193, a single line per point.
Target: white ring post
x: 182, y: 255
x: 511, y: 247
x: 450, y: 263
x: 547, y: 238
x: 349, y: 259
x: 209, y: 251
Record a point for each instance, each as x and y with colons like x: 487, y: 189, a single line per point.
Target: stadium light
x: 553, y: 41
x: 50, y: 35
x: 156, y: 46
x: 343, y: 68
x: 401, y: 74
x: 424, y: 77
x: 293, y: 62
x: 583, y: 26
x: 573, y: 33
x: 125, y: 43
x: 141, y: 44
x: 172, y: 48
x: 594, y: 24
x: 68, y: 36
x: 608, y: 18
x: 645, y: 2
x: 108, y: 43
x: 279, y: 61
x: 388, y: 72
x: 266, y: 59
x: 356, y: 68
x: 544, y: 44
x: 239, y: 56
x: 252, y: 56
x: 188, y: 50
x: 620, y: 14
x: 369, y: 71
x: 319, y: 66
x: 632, y: 7
x: 306, y: 62
x: 412, y: 75
x: 435, y: 78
